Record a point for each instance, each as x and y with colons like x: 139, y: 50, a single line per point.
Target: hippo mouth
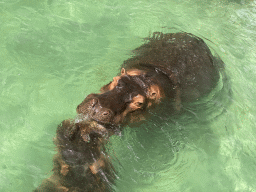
x: 96, y: 124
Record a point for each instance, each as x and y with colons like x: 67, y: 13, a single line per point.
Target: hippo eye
x: 153, y: 94
x: 139, y: 104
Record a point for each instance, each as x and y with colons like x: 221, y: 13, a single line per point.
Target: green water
x: 55, y: 52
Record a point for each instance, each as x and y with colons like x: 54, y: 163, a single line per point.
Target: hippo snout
x: 95, y: 111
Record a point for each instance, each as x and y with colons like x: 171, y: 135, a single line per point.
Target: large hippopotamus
x: 175, y: 67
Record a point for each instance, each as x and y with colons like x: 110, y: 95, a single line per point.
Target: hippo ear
x: 123, y: 72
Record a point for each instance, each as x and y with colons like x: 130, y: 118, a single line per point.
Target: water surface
x: 55, y: 52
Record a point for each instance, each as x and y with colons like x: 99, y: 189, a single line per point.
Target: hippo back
x: 183, y: 57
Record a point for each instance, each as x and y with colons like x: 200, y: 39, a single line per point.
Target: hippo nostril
x: 106, y: 113
x: 100, y: 114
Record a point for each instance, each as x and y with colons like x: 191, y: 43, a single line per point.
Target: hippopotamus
x: 177, y: 67
x: 81, y: 163
x: 173, y: 67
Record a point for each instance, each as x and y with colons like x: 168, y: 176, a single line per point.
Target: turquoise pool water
x: 55, y: 52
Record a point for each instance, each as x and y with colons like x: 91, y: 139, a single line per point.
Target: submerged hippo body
x: 176, y: 66
x: 81, y: 163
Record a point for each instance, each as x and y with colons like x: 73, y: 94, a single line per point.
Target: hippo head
x: 123, y: 100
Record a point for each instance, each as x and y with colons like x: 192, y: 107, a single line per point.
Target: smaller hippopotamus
x: 81, y: 164
x: 177, y: 67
